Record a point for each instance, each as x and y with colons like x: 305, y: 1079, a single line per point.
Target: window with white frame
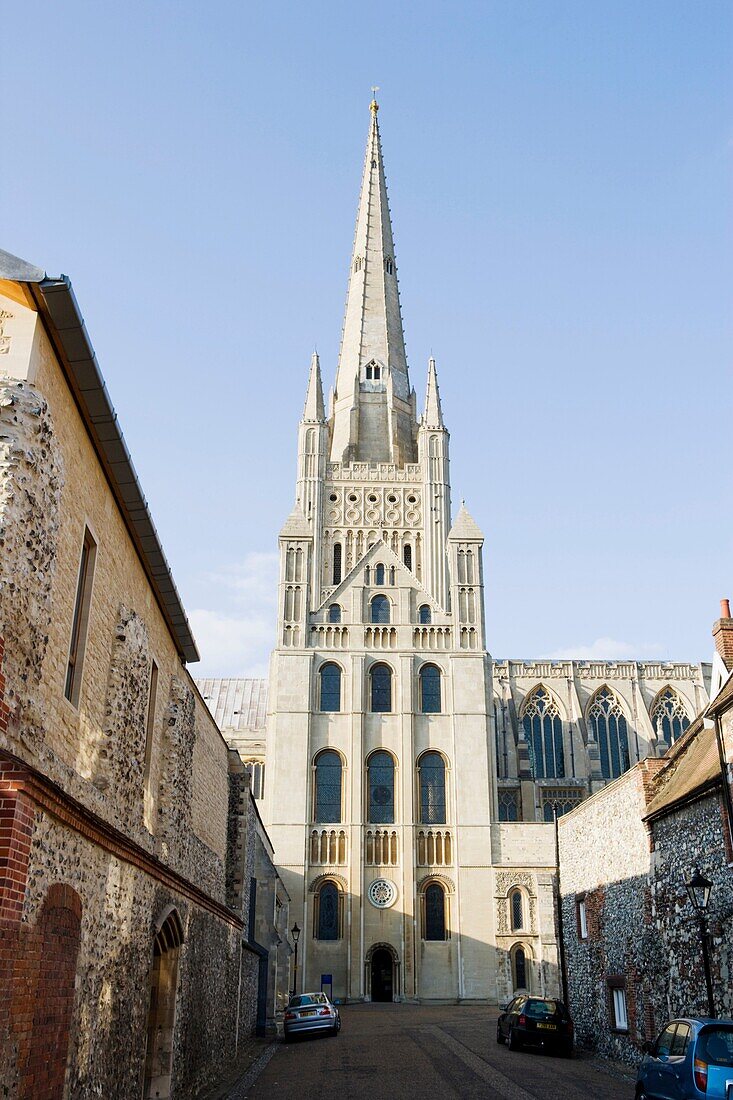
x: 582, y: 916
x: 619, y: 1014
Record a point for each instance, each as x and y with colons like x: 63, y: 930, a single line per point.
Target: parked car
x: 691, y: 1058
x: 536, y: 1021
x: 311, y: 1012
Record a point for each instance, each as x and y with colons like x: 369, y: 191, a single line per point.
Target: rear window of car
x: 538, y: 1010
x: 715, y: 1046
x: 308, y: 999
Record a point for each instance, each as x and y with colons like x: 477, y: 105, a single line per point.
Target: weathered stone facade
x: 123, y: 957
x: 625, y: 857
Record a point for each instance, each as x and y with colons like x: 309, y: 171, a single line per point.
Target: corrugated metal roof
x: 236, y: 704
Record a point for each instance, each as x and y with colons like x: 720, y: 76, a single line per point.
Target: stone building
x: 124, y: 971
x: 381, y: 688
x: 632, y: 942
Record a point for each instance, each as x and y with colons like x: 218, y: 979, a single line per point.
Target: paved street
x: 445, y: 1052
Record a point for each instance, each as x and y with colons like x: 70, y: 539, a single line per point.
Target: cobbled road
x: 442, y: 1052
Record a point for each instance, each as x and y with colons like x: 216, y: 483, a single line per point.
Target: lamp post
x: 698, y: 889
x: 295, y: 933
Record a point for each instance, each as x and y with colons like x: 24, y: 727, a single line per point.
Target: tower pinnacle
x: 314, y: 396
x: 373, y: 419
x: 433, y: 415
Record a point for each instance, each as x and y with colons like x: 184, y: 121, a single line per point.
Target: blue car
x: 692, y: 1059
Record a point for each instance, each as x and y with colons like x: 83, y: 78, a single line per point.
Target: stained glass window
x: 425, y: 614
x: 610, y: 732
x: 543, y: 730
x: 669, y: 717
x: 562, y: 801
x: 337, y: 563
x: 334, y: 613
x: 434, y: 912
x: 430, y: 689
x: 381, y: 788
x: 328, y: 787
x: 328, y: 912
x: 517, y: 910
x: 330, y: 675
x: 508, y: 805
x: 380, y: 608
x: 379, y: 574
x: 431, y: 769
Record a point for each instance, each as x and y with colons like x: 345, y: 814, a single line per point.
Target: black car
x: 536, y: 1021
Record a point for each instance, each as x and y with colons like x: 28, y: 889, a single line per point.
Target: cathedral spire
x: 314, y: 409
x: 372, y: 407
x: 433, y: 415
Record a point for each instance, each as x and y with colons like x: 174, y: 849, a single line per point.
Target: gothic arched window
x: 380, y: 784
x: 380, y: 608
x: 330, y: 687
x: 337, y: 563
x: 328, y: 788
x: 516, y: 907
x: 327, y: 915
x: 434, y: 912
x: 334, y: 613
x: 543, y: 730
x: 519, y: 968
x: 380, y: 683
x: 426, y: 615
x: 379, y: 574
x: 610, y: 731
x: 431, y: 776
x: 430, y: 702
x: 669, y: 717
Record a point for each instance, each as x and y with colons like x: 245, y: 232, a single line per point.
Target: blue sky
x: 559, y: 179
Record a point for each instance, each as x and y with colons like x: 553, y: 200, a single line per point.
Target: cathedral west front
x: 408, y: 782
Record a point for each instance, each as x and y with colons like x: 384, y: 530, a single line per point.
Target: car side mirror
x: 648, y: 1047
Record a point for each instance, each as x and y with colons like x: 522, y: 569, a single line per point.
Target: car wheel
x: 499, y: 1037
x: 641, y: 1093
x: 515, y: 1042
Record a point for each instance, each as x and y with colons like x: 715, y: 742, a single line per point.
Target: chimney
x: 723, y: 634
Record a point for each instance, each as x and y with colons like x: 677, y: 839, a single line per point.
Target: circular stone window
x: 411, y: 500
x: 382, y: 893
x: 372, y: 498
x: 353, y: 496
x: 333, y: 497
x: 392, y: 498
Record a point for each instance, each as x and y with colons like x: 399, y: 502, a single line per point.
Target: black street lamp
x: 698, y: 889
x: 295, y: 933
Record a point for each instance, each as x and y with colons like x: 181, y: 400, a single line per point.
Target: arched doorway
x: 382, y: 975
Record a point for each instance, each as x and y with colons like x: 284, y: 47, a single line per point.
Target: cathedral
x: 408, y: 781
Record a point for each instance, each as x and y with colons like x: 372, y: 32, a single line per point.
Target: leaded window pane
x: 337, y: 563
x: 407, y: 556
x: 381, y: 788
x: 381, y: 689
x: 328, y: 912
x: 430, y: 689
x: 425, y: 614
x: 432, y: 789
x: 334, y: 613
x: 328, y: 787
x: 520, y: 969
x: 330, y: 676
x: 610, y: 731
x: 380, y: 609
x: 517, y: 915
x: 543, y: 732
x: 379, y: 575
x: 669, y: 717
x: 561, y: 800
x: 434, y: 912
x: 508, y: 805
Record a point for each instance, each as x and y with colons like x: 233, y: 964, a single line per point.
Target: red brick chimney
x: 723, y: 634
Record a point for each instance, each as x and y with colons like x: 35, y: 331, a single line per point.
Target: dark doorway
x: 382, y: 975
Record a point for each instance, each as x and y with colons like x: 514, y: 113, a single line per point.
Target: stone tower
x: 381, y: 787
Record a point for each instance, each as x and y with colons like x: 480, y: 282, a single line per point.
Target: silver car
x: 311, y: 1012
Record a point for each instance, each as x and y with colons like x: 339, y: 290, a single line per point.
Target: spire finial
x: 374, y: 106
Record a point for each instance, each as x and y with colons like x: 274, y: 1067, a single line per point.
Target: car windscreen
x: 715, y: 1046
x: 540, y: 1010
x: 308, y: 999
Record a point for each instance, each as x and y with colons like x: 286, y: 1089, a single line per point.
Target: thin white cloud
x: 237, y: 632
x: 607, y: 649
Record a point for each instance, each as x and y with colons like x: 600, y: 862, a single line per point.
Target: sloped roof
x: 691, y: 767
x: 723, y: 700
x: 62, y: 317
x: 296, y: 525
x: 236, y: 704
